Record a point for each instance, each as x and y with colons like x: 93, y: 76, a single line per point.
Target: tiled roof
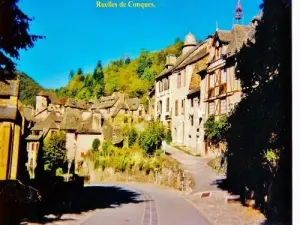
x: 133, y: 103
x: 9, y: 87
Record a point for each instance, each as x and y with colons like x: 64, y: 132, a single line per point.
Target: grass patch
x: 217, y: 166
x: 133, y: 164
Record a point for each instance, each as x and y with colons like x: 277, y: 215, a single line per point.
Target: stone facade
x: 81, y: 121
x: 199, y: 83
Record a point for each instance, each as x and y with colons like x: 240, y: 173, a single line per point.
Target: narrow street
x: 205, y: 178
x: 152, y: 205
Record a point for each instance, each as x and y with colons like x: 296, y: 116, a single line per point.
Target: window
x: 192, y: 120
x: 176, y: 108
x: 140, y: 113
x: 211, y: 80
x: 179, y: 80
x: 223, y: 106
x: 166, y: 84
x: 224, y: 76
x: 182, y: 106
x: 168, y: 105
x: 36, y: 146
x: 211, y: 108
x: 32, y: 146
x: 192, y: 103
x: 159, y: 107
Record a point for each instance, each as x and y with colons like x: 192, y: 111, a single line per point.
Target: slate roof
x: 120, y: 106
x: 194, y: 58
x: 71, y: 119
x: 48, y: 123
x: 38, y: 126
x: 179, y: 60
x: 8, y: 112
x: 86, y: 126
x: 133, y: 103
x: 224, y: 35
x: 51, y: 96
x: 239, y: 36
x: 79, y: 104
x: 32, y: 137
x: 28, y: 113
x: 9, y: 87
x: 107, y: 104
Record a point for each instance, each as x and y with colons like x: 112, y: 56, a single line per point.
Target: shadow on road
x: 89, y: 198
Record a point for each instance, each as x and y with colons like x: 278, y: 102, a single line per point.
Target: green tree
x: 260, y: 132
x: 71, y: 74
x: 143, y: 63
x: 216, y: 129
x: 54, y: 151
x: 98, y: 74
x: 151, y: 138
x: 127, y: 60
x: 96, y: 144
x: 132, y: 137
x: 80, y: 71
x: 14, y: 35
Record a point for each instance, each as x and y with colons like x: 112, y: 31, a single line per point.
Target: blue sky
x: 78, y: 34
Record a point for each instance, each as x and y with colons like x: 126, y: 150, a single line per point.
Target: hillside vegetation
x: 133, y: 77
x: 28, y: 89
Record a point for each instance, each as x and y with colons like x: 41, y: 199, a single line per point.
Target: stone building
x: 199, y: 83
x: 177, y: 94
x: 12, y: 123
x: 82, y: 122
x: 118, y: 103
x: 221, y: 90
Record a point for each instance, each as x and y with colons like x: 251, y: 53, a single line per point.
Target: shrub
x: 215, y: 129
x: 152, y: 137
x: 168, y: 136
x: 132, y: 137
x: 54, y: 152
x: 96, y: 144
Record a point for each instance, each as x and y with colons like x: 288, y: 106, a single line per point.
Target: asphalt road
x: 142, y: 204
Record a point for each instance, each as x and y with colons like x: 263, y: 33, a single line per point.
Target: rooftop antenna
x: 239, y: 15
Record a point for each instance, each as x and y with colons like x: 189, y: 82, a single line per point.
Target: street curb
x: 201, y: 212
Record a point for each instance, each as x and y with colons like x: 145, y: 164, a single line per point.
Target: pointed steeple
x: 238, y: 16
